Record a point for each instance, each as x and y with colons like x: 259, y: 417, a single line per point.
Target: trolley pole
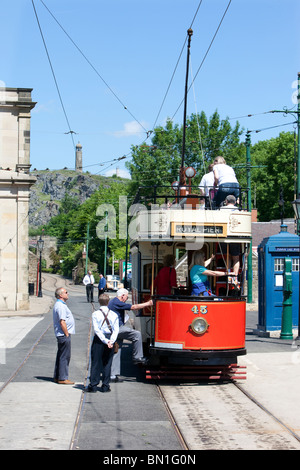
x: 249, y: 260
x: 182, y: 177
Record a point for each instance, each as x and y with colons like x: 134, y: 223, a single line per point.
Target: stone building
x: 15, y: 182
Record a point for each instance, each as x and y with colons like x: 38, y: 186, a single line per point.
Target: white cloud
x: 131, y: 128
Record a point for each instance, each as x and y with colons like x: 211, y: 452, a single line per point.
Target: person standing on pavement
x: 64, y: 327
x: 101, y: 285
x: 118, y: 304
x: 89, y: 282
x: 106, y: 328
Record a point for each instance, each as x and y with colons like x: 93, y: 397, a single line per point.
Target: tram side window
x: 147, y: 275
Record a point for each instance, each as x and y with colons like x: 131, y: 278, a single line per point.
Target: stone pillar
x: 15, y: 183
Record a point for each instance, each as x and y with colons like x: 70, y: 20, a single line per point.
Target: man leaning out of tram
x: 199, y: 274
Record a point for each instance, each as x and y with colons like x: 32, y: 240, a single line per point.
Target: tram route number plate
x: 192, y: 229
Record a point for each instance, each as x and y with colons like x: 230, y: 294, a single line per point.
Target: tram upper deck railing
x: 185, y: 197
x: 161, y: 215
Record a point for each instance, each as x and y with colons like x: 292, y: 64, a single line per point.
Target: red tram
x: 189, y: 335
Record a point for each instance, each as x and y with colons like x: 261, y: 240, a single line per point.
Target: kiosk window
x: 295, y: 264
x: 278, y: 264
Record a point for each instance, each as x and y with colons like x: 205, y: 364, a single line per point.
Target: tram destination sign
x: 191, y: 229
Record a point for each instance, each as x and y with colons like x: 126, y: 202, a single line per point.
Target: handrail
x: 149, y: 195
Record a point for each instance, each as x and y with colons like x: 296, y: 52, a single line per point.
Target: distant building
x: 15, y: 182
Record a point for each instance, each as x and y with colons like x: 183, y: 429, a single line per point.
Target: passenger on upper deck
x: 207, y: 187
x: 199, y: 273
x: 226, y: 179
x: 207, y: 182
x: 230, y: 203
x: 166, y: 277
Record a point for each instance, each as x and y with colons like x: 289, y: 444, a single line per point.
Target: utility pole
x: 87, y: 247
x: 249, y: 260
x: 105, y: 246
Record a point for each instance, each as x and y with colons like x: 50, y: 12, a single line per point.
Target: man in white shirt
x: 207, y: 187
x: 64, y: 327
x: 106, y: 329
x: 207, y: 181
x: 89, y: 282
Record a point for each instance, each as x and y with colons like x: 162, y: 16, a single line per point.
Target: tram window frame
x: 147, y: 275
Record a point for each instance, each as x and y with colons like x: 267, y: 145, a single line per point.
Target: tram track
x: 203, y: 415
x: 25, y: 359
x: 210, y: 416
x: 260, y: 405
x: 183, y: 404
x: 22, y: 363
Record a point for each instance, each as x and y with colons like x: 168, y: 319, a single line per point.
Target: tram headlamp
x: 175, y: 185
x: 199, y: 325
x: 190, y: 172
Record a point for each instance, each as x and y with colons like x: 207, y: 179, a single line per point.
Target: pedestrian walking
x: 89, y: 282
x: 101, y: 285
x: 64, y: 327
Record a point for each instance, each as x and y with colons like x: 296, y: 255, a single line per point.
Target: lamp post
x: 296, y: 207
x: 40, y: 246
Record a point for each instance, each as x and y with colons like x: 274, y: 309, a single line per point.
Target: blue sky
x: 134, y: 45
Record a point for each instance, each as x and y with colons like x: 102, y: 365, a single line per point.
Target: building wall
x: 15, y: 183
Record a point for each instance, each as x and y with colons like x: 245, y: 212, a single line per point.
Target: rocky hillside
x: 52, y: 186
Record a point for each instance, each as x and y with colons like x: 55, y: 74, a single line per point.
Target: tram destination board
x: 187, y: 229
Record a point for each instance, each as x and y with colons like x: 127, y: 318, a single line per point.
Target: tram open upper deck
x: 182, y: 328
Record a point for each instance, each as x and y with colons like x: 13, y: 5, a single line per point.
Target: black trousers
x: 90, y: 292
x: 63, y: 356
x: 102, y: 357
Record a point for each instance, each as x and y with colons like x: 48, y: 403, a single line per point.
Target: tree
x: 70, y: 227
x: 275, y: 161
x: 159, y: 163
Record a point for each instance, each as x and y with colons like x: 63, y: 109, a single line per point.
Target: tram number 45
x: 203, y: 309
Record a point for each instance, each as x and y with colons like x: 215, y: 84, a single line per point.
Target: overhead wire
x: 53, y: 74
x: 93, y: 67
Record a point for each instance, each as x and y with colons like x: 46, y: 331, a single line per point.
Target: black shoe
x: 104, y: 389
x: 116, y: 379
x: 91, y: 389
x: 140, y: 360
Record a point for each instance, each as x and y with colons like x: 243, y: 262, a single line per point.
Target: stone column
x: 15, y: 183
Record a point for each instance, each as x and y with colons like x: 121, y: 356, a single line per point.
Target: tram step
x: 231, y: 372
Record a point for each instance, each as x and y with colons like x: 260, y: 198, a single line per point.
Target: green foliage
x: 159, y: 163
x: 275, y: 161
x: 70, y: 228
